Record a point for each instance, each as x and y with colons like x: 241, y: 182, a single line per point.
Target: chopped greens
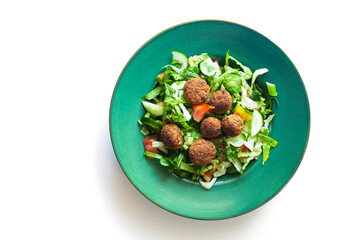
x: 166, y: 104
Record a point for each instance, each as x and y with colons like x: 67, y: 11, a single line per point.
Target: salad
x: 203, y: 120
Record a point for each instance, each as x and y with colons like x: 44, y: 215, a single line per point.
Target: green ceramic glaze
x: 231, y: 195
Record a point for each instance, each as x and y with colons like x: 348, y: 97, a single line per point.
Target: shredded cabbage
x: 246, y: 101
x: 207, y: 185
x: 221, y: 168
x: 240, y: 82
x: 257, y: 73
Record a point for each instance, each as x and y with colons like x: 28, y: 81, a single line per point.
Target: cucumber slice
x: 155, y: 110
x: 181, y: 59
x: 207, y: 67
x: 256, y: 122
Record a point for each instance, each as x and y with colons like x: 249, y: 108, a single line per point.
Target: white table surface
x: 59, y: 62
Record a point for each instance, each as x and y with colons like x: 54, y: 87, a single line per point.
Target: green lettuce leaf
x: 267, y: 140
x: 266, y: 152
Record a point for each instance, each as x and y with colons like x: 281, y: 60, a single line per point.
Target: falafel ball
x: 202, y: 151
x: 171, y: 136
x: 210, y: 127
x: 196, y: 90
x: 222, y: 101
x: 232, y: 125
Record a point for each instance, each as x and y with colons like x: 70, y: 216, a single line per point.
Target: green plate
x: 231, y: 195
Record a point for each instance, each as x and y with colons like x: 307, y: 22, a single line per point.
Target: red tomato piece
x: 148, y: 144
x: 199, y: 111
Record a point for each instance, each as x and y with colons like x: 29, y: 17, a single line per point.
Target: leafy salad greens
x: 166, y: 104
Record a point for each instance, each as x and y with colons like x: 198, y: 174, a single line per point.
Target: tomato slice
x: 199, y: 111
x: 148, y: 144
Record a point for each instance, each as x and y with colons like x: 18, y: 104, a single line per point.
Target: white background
x: 59, y: 62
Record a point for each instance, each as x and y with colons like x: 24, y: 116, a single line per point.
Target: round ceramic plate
x: 231, y: 195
